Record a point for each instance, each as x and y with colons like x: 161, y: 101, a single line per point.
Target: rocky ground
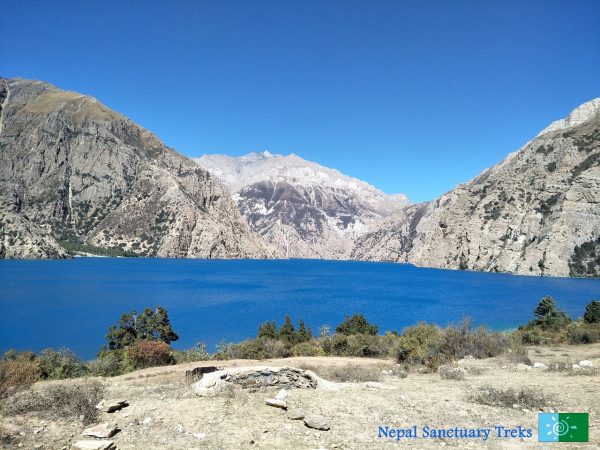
x: 164, y: 410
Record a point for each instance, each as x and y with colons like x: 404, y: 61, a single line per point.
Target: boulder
x: 198, y: 372
x: 317, y: 422
x: 586, y: 363
x: 540, y: 365
x: 94, y: 445
x: 523, y: 367
x: 101, y: 431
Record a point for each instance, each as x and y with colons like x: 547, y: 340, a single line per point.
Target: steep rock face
x: 537, y: 212
x: 88, y: 174
x: 303, y: 208
x: 21, y: 239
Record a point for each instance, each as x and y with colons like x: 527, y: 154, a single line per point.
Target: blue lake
x: 71, y: 303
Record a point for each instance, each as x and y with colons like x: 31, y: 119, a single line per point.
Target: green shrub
x: 357, y: 324
x: 110, y: 364
x: 592, y: 312
x: 196, y: 353
x: 144, y: 354
x: 308, y: 348
x: 260, y: 348
x: 584, y: 336
x: 460, y: 341
x: 61, y: 364
x: 418, y: 343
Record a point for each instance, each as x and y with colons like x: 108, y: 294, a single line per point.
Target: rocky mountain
x: 537, y: 212
x: 303, y: 208
x: 73, y: 171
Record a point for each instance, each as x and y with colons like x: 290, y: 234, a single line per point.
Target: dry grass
x: 346, y: 373
x: 507, y: 398
x: 17, y: 374
x: 53, y: 401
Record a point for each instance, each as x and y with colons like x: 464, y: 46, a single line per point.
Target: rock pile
x: 255, y: 378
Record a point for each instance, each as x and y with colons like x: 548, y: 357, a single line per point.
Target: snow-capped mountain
x: 307, y: 210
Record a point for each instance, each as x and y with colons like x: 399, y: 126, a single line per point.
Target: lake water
x: 71, y: 303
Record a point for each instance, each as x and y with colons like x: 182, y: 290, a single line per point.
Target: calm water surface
x: 71, y: 303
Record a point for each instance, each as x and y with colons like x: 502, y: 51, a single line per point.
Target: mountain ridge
x: 85, y: 173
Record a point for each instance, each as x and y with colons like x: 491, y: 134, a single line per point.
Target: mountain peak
x: 579, y: 115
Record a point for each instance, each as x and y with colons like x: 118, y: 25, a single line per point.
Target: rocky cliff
x: 78, y: 172
x: 304, y: 209
x: 537, y: 212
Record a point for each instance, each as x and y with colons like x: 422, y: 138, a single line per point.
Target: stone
x: 523, y: 367
x: 147, y: 420
x: 297, y: 414
x: 276, y: 403
x: 198, y: 372
x: 199, y: 435
x: 101, y: 431
x: 317, y: 422
x: 586, y: 363
x: 111, y: 406
x: 94, y: 445
x: 282, y: 395
x: 540, y: 365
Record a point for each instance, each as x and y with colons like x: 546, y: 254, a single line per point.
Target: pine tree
x: 592, y: 312
x: 357, y: 324
x: 546, y: 307
x: 287, y: 332
x: 304, y: 334
x: 268, y: 330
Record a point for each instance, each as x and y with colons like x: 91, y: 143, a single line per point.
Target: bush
x: 64, y: 401
x: 308, y: 348
x: 110, y: 364
x: 357, y: 324
x: 144, y: 354
x: 18, y: 372
x: 506, y: 398
x: 260, y: 348
x: 61, y: 364
x: 584, y: 336
x: 592, y: 312
x: 458, y: 342
x: 418, y: 343
x: 196, y: 353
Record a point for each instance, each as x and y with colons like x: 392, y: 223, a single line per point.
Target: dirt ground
x: 165, y: 413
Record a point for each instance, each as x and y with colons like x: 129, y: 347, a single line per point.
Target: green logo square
x: 573, y: 427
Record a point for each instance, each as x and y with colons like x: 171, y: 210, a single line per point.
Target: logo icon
x: 563, y: 427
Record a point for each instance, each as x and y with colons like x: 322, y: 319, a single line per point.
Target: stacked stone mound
x: 255, y: 378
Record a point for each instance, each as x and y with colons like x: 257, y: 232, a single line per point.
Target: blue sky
x: 411, y: 96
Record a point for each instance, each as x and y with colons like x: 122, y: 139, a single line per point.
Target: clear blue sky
x: 411, y: 96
